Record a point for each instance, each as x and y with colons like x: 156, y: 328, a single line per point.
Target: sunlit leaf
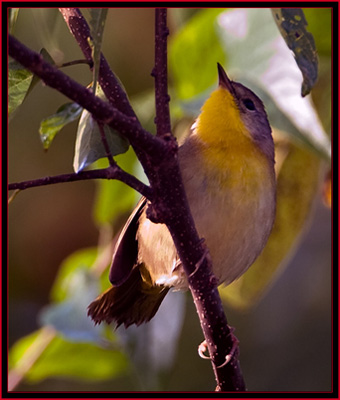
x: 292, y: 25
x: 193, y: 53
x: 97, y: 23
x: 272, y: 68
x: 89, y: 145
x: 51, y: 125
x: 60, y: 358
x: 19, y: 81
x: 29, y: 348
x: 297, y: 186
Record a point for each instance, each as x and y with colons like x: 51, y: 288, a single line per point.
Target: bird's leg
x: 203, y: 347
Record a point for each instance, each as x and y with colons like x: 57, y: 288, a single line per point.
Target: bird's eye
x: 249, y: 104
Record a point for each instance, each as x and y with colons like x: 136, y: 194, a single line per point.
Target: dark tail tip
x: 133, y: 302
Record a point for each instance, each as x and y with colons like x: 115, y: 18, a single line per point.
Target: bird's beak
x: 223, y: 79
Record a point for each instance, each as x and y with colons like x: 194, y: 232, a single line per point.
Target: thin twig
x: 106, y: 145
x: 76, y: 62
x: 160, y: 73
x: 112, y: 172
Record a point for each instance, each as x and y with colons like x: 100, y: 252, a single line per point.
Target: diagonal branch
x: 101, y: 111
x: 109, y: 83
x: 107, y: 79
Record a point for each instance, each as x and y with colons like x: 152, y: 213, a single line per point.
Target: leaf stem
x: 106, y: 145
x: 76, y: 62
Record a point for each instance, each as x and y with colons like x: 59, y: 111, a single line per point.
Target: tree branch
x: 193, y: 254
x: 112, y: 172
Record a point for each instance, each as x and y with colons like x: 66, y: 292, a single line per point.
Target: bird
x: 227, y: 166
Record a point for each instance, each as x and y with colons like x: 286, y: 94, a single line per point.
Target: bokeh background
x: 285, y: 340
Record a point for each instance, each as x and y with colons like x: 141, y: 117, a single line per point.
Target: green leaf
x: 193, y: 53
x: 113, y: 197
x: 89, y: 145
x: 297, y: 186
x: 61, y: 358
x: 97, y: 23
x: 19, y: 81
x: 292, y: 25
x: 51, y: 125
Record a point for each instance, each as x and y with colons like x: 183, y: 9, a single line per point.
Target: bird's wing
x: 126, y: 250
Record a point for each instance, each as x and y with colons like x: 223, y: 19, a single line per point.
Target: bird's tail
x: 133, y: 302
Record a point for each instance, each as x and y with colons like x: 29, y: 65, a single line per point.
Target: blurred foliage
x: 85, y: 361
x: 67, y: 344
x: 191, y: 52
